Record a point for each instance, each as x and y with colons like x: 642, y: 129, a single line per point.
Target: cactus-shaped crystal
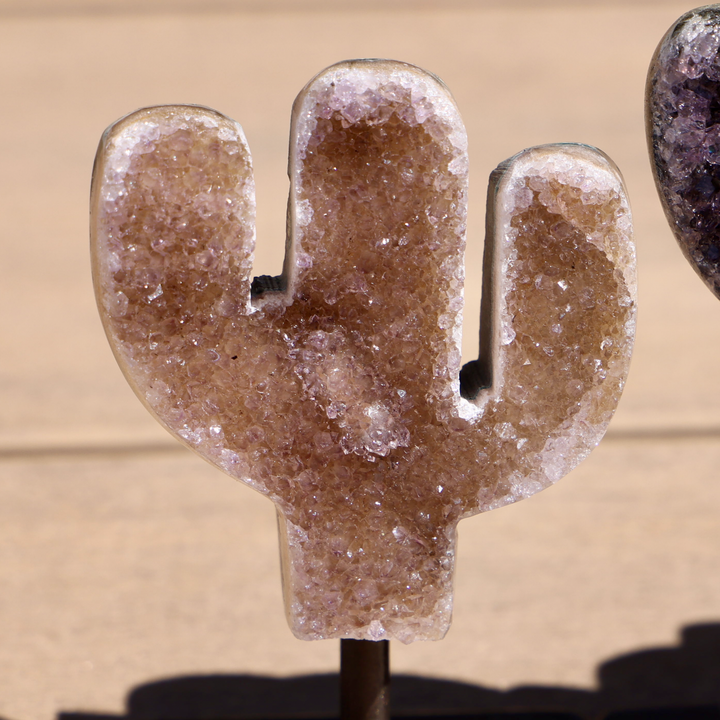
x: 335, y: 388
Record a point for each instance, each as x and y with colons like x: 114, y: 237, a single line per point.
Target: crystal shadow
x: 662, y: 683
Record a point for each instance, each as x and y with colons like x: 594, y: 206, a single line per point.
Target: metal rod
x: 364, y: 680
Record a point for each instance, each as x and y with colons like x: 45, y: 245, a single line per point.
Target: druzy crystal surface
x: 334, y: 389
x: 683, y: 125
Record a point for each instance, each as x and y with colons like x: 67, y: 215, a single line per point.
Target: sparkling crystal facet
x: 683, y: 126
x: 334, y: 389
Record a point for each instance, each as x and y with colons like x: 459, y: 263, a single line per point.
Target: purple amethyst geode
x: 683, y: 128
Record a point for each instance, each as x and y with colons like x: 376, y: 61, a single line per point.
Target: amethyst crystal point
x: 683, y: 127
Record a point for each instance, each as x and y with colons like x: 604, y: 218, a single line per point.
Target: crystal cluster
x: 683, y: 125
x: 334, y: 388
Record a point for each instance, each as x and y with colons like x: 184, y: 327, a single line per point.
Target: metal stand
x: 364, y: 680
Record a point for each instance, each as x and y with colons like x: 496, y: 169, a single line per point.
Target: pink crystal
x: 335, y: 388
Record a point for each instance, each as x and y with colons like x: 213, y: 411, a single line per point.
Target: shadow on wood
x: 666, y: 683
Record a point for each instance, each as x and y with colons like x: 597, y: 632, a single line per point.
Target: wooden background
x: 125, y: 560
